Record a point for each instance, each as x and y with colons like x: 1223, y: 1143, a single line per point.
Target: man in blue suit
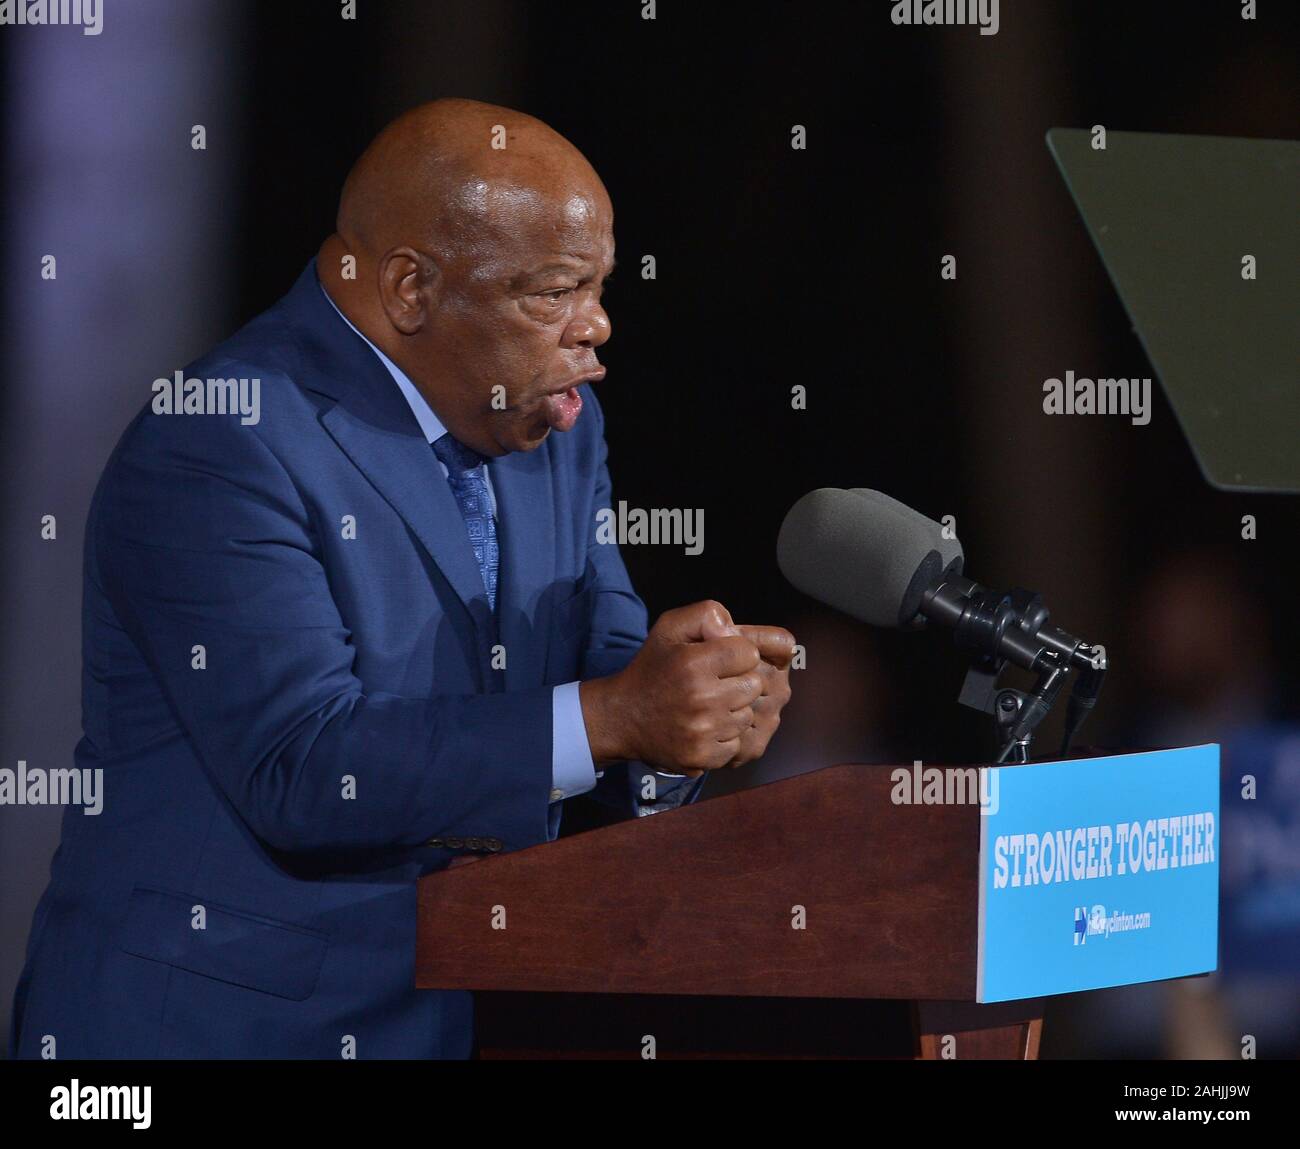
x: 363, y: 626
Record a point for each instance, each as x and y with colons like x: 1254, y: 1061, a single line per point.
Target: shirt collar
x: 430, y: 424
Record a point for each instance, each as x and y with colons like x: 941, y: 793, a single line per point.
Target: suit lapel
x: 402, y: 468
x: 373, y: 424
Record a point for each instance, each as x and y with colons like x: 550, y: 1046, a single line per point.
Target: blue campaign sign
x: 1099, y: 872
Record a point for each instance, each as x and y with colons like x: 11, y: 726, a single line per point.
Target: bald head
x: 447, y: 174
x: 472, y: 245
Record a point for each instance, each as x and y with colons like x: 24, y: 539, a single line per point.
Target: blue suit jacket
x: 340, y: 732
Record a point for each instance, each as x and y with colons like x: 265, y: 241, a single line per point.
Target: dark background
x: 775, y: 267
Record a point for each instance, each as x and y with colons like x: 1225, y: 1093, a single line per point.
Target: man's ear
x: 408, y: 283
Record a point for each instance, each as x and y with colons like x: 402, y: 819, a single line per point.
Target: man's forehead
x: 526, y: 228
x: 547, y: 199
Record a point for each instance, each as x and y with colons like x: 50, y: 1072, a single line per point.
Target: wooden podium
x: 782, y: 919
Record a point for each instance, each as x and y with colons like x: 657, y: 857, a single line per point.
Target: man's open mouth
x: 563, y: 407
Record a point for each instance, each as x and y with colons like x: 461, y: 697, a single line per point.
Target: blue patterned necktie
x: 468, y: 479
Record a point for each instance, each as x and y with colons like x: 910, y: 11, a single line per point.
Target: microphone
x: 865, y: 554
x: 883, y: 563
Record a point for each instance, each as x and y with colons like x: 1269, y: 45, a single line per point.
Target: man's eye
x: 556, y: 294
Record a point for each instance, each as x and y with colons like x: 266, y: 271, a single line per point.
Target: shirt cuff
x: 572, y: 769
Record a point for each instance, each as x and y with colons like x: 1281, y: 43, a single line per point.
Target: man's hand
x: 686, y: 702
x: 776, y: 647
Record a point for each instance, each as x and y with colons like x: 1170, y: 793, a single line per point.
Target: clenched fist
x: 700, y: 694
x: 775, y: 646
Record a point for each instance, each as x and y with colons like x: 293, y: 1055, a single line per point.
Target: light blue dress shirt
x: 572, y: 769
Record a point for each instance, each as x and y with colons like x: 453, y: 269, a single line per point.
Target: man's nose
x: 589, y: 328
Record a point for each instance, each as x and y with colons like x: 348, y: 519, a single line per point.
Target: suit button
x: 493, y: 844
x: 434, y: 842
x: 455, y: 843
x: 473, y: 843
x: 556, y: 795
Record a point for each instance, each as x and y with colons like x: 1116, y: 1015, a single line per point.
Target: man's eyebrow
x: 565, y: 268
x: 550, y: 267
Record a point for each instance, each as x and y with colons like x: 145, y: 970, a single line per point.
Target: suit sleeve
x: 618, y: 629
x: 212, y: 563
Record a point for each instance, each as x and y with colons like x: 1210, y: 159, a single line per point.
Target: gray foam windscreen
x: 949, y: 549
x: 870, y: 558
